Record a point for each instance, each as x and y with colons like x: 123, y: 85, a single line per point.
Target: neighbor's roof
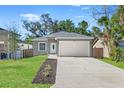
x: 6, y: 31
x: 63, y: 35
x: 122, y: 40
x: 3, y: 29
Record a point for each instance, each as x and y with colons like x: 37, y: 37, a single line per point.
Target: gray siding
x: 52, y: 41
x: 4, y: 37
x: 35, y: 48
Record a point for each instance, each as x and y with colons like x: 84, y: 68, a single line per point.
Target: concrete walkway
x: 74, y: 72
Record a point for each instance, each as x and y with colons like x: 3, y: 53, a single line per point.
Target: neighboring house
x: 121, y: 43
x: 65, y: 44
x: 24, y: 46
x: 5, y: 44
x: 4, y: 37
x: 98, y: 43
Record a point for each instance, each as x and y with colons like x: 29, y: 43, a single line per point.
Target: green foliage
x: 96, y: 31
x: 118, y: 54
x: 110, y: 61
x: 28, y: 39
x: 82, y: 27
x: 66, y: 25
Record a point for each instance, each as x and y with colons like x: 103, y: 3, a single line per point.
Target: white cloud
x: 79, y: 16
x: 31, y: 17
x: 70, y: 10
x: 85, y: 8
x: 76, y: 5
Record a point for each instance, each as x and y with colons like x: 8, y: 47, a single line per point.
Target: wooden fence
x: 27, y: 53
x: 98, y: 52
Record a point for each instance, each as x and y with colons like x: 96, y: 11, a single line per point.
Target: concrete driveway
x: 74, y: 72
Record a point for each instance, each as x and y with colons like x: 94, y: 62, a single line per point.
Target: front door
x: 53, y: 48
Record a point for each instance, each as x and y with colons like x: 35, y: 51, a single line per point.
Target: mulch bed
x: 47, y: 72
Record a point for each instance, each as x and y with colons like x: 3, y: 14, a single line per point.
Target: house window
x: 1, y: 46
x: 42, y: 46
x: 53, y: 47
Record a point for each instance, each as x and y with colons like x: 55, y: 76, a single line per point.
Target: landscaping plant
x: 118, y: 55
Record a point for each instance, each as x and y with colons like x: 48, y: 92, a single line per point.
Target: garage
x: 73, y: 48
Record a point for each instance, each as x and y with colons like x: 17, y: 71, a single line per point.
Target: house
x: 24, y: 46
x: 5, y: 43
x: 64, y: 44
x: 121, y: 43
x: 98, y: 44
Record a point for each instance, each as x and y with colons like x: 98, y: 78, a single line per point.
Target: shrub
x: 118, y: 54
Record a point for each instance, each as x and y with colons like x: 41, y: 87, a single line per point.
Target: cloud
x: 85, y: 8
x: 31, y: 17
x: 79, y: 16
x: 76, y: 5
x: 70, y: 10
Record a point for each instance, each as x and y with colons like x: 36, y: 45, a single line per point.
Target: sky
x: 10, y: 15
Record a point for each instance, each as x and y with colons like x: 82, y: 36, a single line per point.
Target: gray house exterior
x: 121, y: 43
x: 5, y: 44
x: 63, y: 44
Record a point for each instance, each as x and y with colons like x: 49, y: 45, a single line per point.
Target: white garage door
x: 74, y: 48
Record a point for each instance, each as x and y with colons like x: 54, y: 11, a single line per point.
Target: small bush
x: 47, y: 71
x: 118, y: 55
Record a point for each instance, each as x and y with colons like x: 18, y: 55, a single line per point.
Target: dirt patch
x: 47, y: 72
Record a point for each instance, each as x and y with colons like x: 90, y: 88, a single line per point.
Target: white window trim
x: 1, y: 42
x: 39, y: 45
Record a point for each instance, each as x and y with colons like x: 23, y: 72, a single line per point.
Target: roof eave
x: 78, y: 38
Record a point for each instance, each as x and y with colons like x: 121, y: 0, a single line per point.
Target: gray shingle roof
x: 64, y: 35
x: 40, y: 39
x: 68, y: 35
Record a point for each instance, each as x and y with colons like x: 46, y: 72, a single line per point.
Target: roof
x: 40, y: 39
x: 122, y: 40
x: 3, y: 29
x: 6, y: 31
x: 63, y: 35
x: 66, y: 34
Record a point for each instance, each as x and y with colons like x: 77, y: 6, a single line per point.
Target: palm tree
x: 104, y: 22
x: 83, y: 27
x: 96, y: 31
x: 120, y: 13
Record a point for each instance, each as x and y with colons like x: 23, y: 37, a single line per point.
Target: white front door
x: 52, y: 47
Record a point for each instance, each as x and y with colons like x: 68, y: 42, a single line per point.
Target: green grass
x: 117, y: 64
x: 20, y: 73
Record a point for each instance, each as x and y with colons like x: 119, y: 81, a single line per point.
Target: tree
x: 95, y: 31
x: 41, y: 27
x: 82, y: 27
x: 120, y: 13
x: 55, y: 26
x: 66, y: 25
x: 14, y: 38
x: 28, y: 39
x: 112, y: 28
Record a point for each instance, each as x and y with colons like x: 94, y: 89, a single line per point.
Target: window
x: 42, y: 46
x: 1, y: 46
x: 53, y: 47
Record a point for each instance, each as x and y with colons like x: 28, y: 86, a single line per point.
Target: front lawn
x: 20, y: 73
x: 117, y: 64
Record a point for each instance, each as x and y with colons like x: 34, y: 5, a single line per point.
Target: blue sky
x: 15, y: 14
